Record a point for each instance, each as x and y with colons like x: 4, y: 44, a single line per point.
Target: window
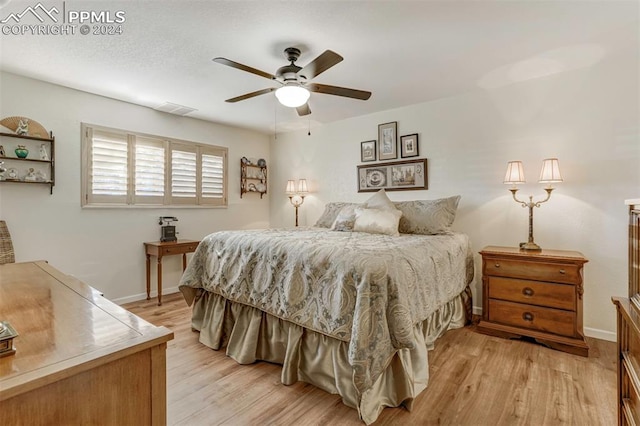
x: 122, y: 168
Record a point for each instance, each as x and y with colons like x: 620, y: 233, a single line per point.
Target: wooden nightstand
x: 534, y: 294
x: 167, y: 248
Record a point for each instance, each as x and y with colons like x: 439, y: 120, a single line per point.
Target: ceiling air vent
x: 175, y: 109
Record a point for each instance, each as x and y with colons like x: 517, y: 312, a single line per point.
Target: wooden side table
x: 167, y: 248
x: 536, y: 294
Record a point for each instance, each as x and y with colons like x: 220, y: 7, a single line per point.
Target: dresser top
x: 61, y: 324
x: 544, y: 253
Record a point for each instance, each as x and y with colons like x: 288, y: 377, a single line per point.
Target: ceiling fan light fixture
x: 292, y: 95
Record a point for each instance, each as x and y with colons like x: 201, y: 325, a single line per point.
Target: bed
x: 353, y: 313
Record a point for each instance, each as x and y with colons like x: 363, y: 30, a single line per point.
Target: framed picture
x: 409, y: 145
x: 388, y: 141
x: 368, y: 151
x: 393, y: 176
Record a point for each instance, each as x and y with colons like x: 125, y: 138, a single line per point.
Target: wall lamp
x: 550, y: 173
x: 297, y: 197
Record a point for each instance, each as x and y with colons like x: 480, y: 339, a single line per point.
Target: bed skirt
x: 251, y: 335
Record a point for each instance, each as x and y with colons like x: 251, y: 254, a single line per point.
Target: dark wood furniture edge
x: 565, y: 344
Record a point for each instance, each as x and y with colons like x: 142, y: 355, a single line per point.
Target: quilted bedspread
x: 368, y: 290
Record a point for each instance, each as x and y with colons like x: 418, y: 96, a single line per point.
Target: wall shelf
x: 253, y: 178
x: 45, y: 166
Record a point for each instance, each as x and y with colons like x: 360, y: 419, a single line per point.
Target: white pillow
x: 345, y: 219
x: 377, y: 221
x: 380, y: 201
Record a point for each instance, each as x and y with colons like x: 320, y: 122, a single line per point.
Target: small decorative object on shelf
x: 22, y: 151
x: 31, y: 175
x: 12, y: 174
x: 23, y: 127
x: 245, y: 160
x: 262, y: 162
x: 43, y: 152
x: 7, y: 334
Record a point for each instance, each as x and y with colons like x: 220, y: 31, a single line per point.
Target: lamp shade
x: 292, y: 95
x: 291, y: 187
x: 515, y: 173
x: 550, y: 172
x: 302, y: 186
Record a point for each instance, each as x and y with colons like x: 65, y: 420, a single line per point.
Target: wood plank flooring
x: 475, y: 380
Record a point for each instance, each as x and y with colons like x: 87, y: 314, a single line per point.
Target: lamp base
x: 530, y: 246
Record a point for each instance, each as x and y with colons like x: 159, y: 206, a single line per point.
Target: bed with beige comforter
x: 345, y: 311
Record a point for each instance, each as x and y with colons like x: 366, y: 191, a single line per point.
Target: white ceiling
x: 404, y: 52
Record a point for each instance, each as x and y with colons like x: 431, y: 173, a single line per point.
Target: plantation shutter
x: 150, y: 164
x: 108, y: 177
x: 213, y: 177
x: 183, y: 174
x: 121, y: 168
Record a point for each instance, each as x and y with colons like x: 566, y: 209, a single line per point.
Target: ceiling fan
x: 295, y: 87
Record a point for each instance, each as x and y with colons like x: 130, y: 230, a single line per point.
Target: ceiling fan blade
x: 339, y: 91
x: 251, y: 95
x: 232, y: 64
x: 304, y: 110
x: 320, y: 64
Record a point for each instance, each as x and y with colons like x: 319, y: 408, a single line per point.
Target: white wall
x: 587, y: 118
x: 103, y: 247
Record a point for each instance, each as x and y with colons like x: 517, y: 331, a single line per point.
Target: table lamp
x: 550, y: 173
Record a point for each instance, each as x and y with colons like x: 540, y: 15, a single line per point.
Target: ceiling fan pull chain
x: 309, y: 134
x: 275, y: 121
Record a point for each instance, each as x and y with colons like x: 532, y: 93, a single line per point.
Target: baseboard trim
x: 609, y: 336
x: 143, y: 296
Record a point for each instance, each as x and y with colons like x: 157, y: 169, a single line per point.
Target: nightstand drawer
x: 555, y: 272
x: 179, y: 249
x: 561, y: 296
x: 532, y: 317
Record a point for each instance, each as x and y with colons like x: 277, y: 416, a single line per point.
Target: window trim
x: 131, y: 200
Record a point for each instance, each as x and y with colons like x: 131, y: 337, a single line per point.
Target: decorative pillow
x: 376, y: 221
x: 380, y: 201
x: 330, y: 214
x: 346, y: 218
x: 428, y: 217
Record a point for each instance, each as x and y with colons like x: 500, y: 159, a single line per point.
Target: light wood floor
x: 475, y: 380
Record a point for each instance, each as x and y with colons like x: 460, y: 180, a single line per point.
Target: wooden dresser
x: 629, y: 328
x: 534, y: 294
x: 80, y: 359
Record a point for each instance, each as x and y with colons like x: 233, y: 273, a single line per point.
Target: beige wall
x: 103, y: 247
x: 588, y: 118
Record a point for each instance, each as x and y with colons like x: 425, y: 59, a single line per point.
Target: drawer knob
x: 562, y: 271
x: 527, y: 291
x: 527, y: 316
x: 497, y: 265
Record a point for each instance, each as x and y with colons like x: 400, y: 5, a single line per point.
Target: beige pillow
x: 377, y: 221
x: 428, y: 217
x: 345, y: 219
x: 380, y: 201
